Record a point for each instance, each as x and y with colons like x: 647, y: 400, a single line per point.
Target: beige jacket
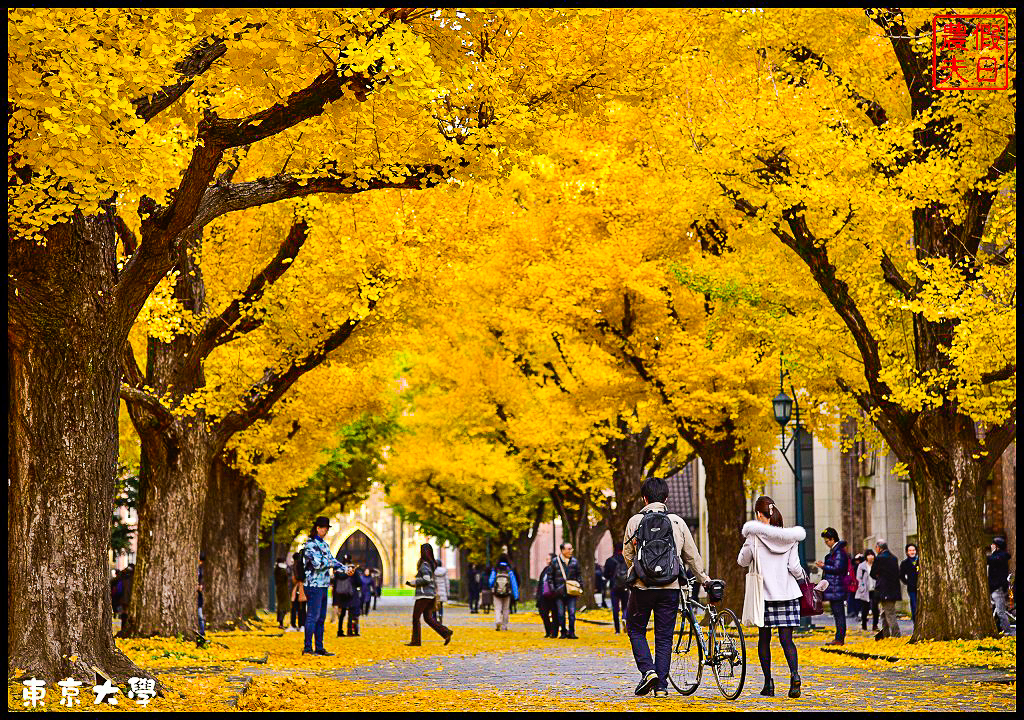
x: 685, y: 545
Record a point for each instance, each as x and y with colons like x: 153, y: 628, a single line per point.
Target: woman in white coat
x: 866, y: 592
x: 779, y: 564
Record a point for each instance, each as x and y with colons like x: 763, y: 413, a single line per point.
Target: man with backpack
x: 616, y: 573
x: 655, y: 547
x: 504, y: 588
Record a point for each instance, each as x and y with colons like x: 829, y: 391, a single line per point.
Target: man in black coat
x: 886, y: 573
x: 474, y: 588
x: 617, y: 582
x: 998, y: 582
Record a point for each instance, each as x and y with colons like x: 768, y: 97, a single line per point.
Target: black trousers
x: 664, y: 603
x: 619, y: 600
x: 546, y: 608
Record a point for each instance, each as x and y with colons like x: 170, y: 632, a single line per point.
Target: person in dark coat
x: 600, y: 584
x: 474, y: 588
x: 546, y: 600
x: 998, y: 563
x: 836, y: 567
x: 908, y: 576
x: 281, y: 591
x: 886, y: 573
x: 344, y: 587
x: 366, y: 581
x: 355, y: 602
x: 616, y: 577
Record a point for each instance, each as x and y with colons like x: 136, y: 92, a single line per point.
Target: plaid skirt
x: 782, y: 613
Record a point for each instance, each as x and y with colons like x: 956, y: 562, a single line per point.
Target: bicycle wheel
x: 687, y: 659
x: 728, y: 654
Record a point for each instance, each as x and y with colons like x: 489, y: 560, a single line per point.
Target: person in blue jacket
x: 504, y: 588
x: 317, y: 561
x: 836, y: 567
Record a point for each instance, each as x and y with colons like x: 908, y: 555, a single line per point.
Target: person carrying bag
x: 770, y: 551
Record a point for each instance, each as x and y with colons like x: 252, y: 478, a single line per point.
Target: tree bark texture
x: 725, y: 494
x: 62, y: 354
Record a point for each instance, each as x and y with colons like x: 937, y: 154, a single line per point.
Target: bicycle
x: 722, y: 647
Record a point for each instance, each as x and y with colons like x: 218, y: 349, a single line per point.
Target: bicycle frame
x: 688, y: 605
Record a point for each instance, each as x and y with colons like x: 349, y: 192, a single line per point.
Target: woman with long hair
x: 425, y: 597
x: 775, y: 547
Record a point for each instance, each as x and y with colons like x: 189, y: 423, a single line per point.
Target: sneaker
x: 647, y: 683
x: 307, y: 652
x: 661, y: 692
x: 325, y: 653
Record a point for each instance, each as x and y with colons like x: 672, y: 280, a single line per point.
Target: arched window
x: 362, y: 550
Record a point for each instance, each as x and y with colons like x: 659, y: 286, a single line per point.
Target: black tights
x: 764, y: 652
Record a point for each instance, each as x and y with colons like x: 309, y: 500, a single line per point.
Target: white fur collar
x: 770, y: 532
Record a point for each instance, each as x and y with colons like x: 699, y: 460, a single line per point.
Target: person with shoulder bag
x: 568, y: 581
x: 836, y: 568
x: 656, y: 547
x: 773, y: 597
x: 426, y: 594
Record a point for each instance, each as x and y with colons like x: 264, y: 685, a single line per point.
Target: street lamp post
x: 785, y: 409
x: 272, y: 599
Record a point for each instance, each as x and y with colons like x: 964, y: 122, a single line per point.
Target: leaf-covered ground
x: 262, y: 669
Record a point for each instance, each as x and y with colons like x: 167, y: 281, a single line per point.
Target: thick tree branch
x: 198, y: 61
x: 997, y: 439
x: 978, y: 202
x: 915, y: 71
x: 226, y: 326
x: 892, y: 276
x: 1002, y: 374
x: 804, y: 55
x: 151, y: 403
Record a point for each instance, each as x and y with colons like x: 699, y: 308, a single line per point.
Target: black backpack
x: 620, y: 580
x: 343, y: 587
x: 657, y: 560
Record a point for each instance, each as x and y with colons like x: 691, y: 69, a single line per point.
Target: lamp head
x: 783, y: 408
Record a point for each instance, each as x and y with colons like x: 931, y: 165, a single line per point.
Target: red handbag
x: 811, y: 601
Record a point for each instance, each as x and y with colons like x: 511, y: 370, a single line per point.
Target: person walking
x: 568, y: 583
x: 343, y: 588
x: 656, y: 547
x: 866, y: 592
x: 425, y: 597
x: 616, y: 573
x: 298, y: 593
x: 281, y: 588
x: 600, y: 584
x: 886, y: 573
x: 505, y: 589
x: 366, y: 580
x: 836, y: 568
x: 908, y: 576
x: 852, y: 601
x: 998, y: 564
x: 546, y: 600
x: 355, y: 601
x: 318, y: 562
x: 778, y: 560
x: 474, y: 588
x: 486, y: 600
x: 442, y: 589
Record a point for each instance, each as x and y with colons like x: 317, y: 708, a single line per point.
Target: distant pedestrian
x: 442, y: 588
x: 343, y: 587
x: 514, y: 602
x: 657, y: 545
x: 474, y: 588
x: 568, y: 581
x: 853, y: 601
x: 355, y: 602
x: 281, y: 588
x: 546, y: 600
x: 425, y: 597
x: 486, y: 599
x: 998, y: 563
x: 317, y: 564
x: 616, y: 573
x: 600, y: 584
x: 836, y: 567
x: 504, y: 588
x: 778, y: 560
x: 908, y: 576
x: 298, y: 593
x: 886, y: 573
x: 199, y: 599
x: 366, y: 580
x: 866, y: 592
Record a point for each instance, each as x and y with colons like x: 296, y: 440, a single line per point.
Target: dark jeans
x: 839, y: 615
x: 424, y: 608
x: 912, y: 594
x: 316, y: 614
x: 566, y: 605
x: 619, y: 598
x: 298, y: 618
x: 665, y: 604
x: 474, y: 601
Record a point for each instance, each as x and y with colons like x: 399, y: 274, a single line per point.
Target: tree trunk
x: 463, y: 575
x: 586, y: 544
x: 173, y: 480
x: 519, y: 555
x: 62, y: 454
x: 222, y: 595
x: 249, y: 540
x: 266, y: 563
x: 725, y: 494
x: 953, y: 586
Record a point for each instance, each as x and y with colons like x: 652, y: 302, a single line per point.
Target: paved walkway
x: 574, y: 670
